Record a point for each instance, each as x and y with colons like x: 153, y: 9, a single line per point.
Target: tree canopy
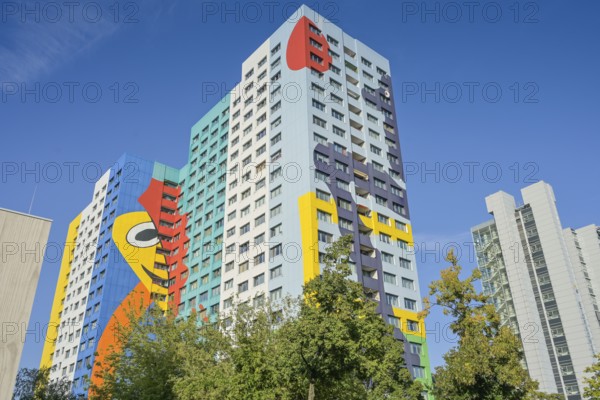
x: 486, y: 364
x: 329, y: 344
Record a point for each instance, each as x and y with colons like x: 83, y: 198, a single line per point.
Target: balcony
x: 361, y: 185
x: 370, y: 262
x: 365, y: 242
x: 361, y: 154
x: 370, y: 283
x: 360, y: 167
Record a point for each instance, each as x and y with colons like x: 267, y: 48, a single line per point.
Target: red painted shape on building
x: 163, y: 209
x: 300, y: 47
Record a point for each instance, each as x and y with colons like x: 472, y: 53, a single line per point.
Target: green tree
x: 486, y: 363
x: 237, y: 358
x: 592, y: 388
x: 330, y: 344
x: 340, y: 347
x: 33, y: 384
x: 144, y: 362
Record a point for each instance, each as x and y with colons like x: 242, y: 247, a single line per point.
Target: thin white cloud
x: 30, y: 49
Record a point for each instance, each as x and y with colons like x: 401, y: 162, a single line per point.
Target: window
x: 339, y: 131
x: 316, y: 58
x: 276, y: 106
x: 401, y: 226
x: 276, y: 173
x: 548, y: 296
x: 566, y: 369
x: 275, y: 251
x: 276, y: 192
x: 404, y: 263
x: 415, y: 348
x: 391, y: 300
x: 557, y: 332
x: 259, y: 280
x: 325, y: 237
x: 242, y: 287
x: 346, y: 224
x: 336, y: 99
x: 418, y: 372
x: 321, y: 176
x: 320, y: 139
x: 408, y: 284
x: 276, y: 210
x: 320, y: 122
x: 323, y: 216
x: 321, y: 195
x: 379, y: 183
x: 385, y: 238
x: 321, y: 157
x: 346, y: 205
x: 335, y: 84
x: 245, y: 229
x: 337, y: 115
x: 375, y: 150
x: 276, y: 139
x: 562, y: 350
x: 389, y: 278
x: 259, y: 220
x: 229, y: 266
x: 275, y: 272
x: 259, y: 202
x: 318, y: 105
x: 410, y: 304
x: 340, y: 166
x: 276, y: 294
x: 339, y: 148
x: 276, y: 230
x: 412, y: 325
x: 343, y: 185
x: 394, y: 321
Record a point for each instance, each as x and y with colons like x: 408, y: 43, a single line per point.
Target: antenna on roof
x: 32, y: 198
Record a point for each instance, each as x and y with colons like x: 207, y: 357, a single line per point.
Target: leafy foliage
x: 486, y: 363
x: 592, y: 382
x: 33, y: 384
x: 331, y: 344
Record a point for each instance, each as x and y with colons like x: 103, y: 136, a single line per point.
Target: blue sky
x: 545, y: 125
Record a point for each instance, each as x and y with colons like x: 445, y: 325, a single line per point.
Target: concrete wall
x: 22, y: 242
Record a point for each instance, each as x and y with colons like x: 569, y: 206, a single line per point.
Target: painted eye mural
x: 143, y: 235
x: 137, y: 239
x: 137, y: 235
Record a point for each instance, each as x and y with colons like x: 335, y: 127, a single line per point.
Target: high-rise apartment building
x: 117, y: 253
x: 543, y: 281
x: 303, y: 150
x: 23, y: 240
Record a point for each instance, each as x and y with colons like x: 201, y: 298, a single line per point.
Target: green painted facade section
x: 424, y: 356
x: 163, y: 173
x: 203, y: 181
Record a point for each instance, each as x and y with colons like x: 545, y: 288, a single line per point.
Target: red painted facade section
x: 175, y: 240
x: 302, y: 52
